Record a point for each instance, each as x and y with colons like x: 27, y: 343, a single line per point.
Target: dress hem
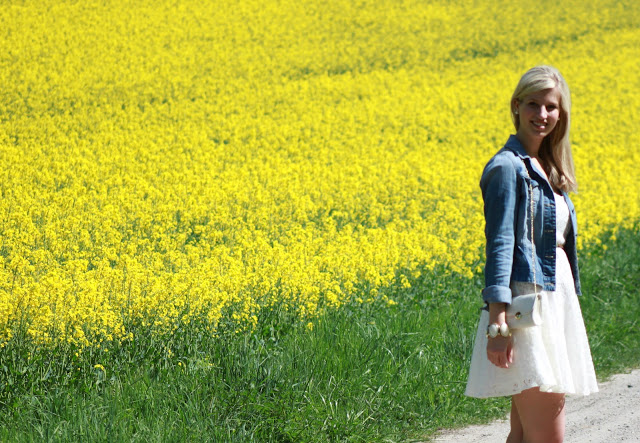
x: 550, y: 390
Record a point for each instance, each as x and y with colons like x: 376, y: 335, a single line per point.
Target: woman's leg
x: 515, y: 436
x: 541, y: 416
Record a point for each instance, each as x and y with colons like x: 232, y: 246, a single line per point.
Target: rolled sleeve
x: 497, y: 294
x: 499, y: 192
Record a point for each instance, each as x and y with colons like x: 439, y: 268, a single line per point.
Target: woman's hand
x: 499, y: 349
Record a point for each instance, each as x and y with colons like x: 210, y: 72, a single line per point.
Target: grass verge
x: 363, y: 373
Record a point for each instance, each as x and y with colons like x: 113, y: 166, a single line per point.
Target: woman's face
x: 538, y: 113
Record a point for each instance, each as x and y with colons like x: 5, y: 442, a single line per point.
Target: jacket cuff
x: 497, y: 294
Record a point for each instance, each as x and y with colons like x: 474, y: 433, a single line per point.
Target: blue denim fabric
x: 505, y: 190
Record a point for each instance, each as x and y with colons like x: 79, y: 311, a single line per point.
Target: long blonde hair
x: 555, y: 150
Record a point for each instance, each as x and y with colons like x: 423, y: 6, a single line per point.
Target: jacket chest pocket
x: 528, y: 189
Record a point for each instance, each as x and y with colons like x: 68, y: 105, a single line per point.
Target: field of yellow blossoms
x: 166, y: 162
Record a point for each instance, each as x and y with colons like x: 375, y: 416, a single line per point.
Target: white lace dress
x: 555, y: 355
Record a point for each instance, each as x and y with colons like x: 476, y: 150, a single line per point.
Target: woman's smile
x: 538, y: 114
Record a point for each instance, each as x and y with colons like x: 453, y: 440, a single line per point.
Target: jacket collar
x: 513, y: 144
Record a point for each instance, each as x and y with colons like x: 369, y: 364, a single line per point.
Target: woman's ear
x: 514, y: 105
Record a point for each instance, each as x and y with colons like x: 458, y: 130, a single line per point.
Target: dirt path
x: 612, y: 415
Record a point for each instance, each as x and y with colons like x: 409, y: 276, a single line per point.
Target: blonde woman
x: 536, y: 366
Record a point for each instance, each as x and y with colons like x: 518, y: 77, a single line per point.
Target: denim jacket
x: 505, y: 190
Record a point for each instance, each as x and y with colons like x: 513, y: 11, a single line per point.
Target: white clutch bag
x: 525, y: 311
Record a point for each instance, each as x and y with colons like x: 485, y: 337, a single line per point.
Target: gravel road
x: 611, y: 415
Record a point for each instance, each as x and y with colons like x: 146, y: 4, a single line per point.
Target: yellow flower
x: 202, y: 161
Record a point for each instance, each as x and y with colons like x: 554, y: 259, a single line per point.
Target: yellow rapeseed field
x: 163, y: 161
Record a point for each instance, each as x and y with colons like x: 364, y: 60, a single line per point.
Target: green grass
x: 611, y: 305
x: 364, y: 373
